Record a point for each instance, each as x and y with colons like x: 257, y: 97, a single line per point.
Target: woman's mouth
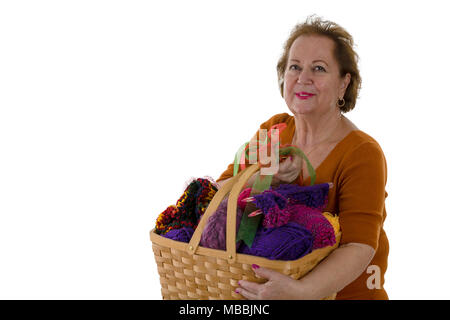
x: 304, y: 95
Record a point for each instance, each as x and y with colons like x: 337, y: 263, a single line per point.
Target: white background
x: 107, y: 108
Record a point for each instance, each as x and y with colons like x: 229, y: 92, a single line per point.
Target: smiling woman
x: 311, y: 79
x: 319, y: 81
x: 329, y: 42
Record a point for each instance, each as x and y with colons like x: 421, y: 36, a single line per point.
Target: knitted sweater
x: 357, y: 168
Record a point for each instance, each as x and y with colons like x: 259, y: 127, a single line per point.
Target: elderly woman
x: 319, y: 81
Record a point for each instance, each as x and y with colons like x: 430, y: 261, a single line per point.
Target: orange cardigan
x: 357, y: 167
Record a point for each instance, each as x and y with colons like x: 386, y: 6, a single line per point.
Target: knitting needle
x: 255, y: 213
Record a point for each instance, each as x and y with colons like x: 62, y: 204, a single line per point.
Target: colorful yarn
x: 215, y: 232
x: 333, y: 220
x: 189, y: 208
x: 314, y: 221
x: 289, y: 242
x: 269, y: 199
x: 165, y: 218
x: 276, y: 217
x: 315, y: 196
x: 292, y: 227
x: 183, y: 235
x: 303, y: 205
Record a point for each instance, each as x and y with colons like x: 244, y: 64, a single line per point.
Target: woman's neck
x: 311, y: 131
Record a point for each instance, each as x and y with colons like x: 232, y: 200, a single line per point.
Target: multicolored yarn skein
x: 189, y: 208
x: 303, y: 205
x: 277, y: 217
x: 293, y: 232
x: 316, y: 222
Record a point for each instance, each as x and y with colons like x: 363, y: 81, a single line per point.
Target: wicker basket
x: 190, y: 272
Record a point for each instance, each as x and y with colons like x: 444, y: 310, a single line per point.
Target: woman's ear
x: 345, y: 83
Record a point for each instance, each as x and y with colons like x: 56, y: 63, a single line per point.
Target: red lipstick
x: 304, y: 95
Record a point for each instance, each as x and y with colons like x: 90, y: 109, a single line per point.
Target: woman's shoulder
x: 360, y: 158
x: 360, y: 137
x: 360, y: 145
x: 278, y: 118
x: 356, y: 137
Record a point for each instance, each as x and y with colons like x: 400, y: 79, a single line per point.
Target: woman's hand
x: 278, y: 286
x: 288, y: 170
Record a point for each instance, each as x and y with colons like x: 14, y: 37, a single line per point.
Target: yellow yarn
x: 334, y: 220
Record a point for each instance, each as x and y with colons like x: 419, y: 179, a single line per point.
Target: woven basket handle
x: 235, y: 185
x: 232, y: 211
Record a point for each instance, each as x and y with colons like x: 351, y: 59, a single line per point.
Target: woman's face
x: 312, y: 84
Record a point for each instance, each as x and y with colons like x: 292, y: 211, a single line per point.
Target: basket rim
x: 316, y: 255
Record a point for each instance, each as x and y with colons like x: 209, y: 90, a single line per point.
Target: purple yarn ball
x: 289, y: 242
x: 214, y: 233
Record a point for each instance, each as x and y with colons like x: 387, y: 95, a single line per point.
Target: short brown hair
x: 344, y: 54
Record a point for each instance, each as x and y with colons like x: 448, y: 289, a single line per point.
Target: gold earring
x: 341, y: 104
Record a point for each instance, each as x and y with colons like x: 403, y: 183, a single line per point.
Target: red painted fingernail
x: 237, y: 291
x: 255, y: 266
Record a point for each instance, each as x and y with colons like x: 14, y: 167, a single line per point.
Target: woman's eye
x: 320, y: 68
x: 296, y: 67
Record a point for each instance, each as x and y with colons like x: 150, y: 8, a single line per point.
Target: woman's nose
x: 304, y: 77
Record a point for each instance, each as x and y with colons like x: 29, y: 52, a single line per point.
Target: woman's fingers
x: 286, y: 167
x: 289, y: 170
x: 284, y: 164
x: 292, y: 163
x: 246, y: 294
x: 249, y: 289
x: 297, y: 160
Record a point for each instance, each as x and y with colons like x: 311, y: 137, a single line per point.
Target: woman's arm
x: 334, y: 273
